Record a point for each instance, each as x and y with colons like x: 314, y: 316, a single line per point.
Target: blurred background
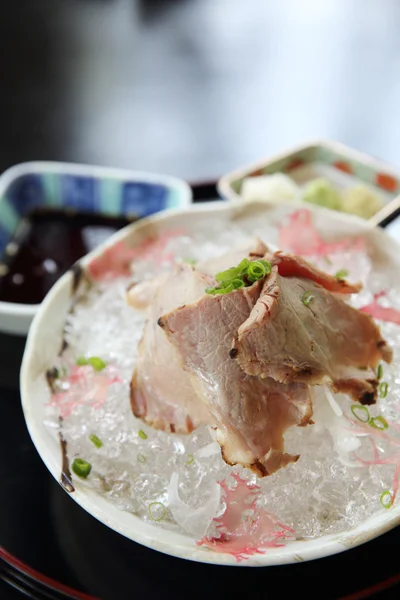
x: 195, y: 88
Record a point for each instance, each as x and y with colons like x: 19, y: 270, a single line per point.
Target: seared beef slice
x: 324, y: 341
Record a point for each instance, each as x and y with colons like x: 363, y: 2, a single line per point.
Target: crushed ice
x: 176, y: 480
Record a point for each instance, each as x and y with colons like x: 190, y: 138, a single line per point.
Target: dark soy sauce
x: 46, y: 244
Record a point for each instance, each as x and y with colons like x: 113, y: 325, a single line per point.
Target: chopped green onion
x: 342, y: 274
x: 361, y: 413
x: 307, y: 297
x: 227, y: 275
x: 267, y: 265
x: 379, y: 372
x: 191, y: 459
x: 379, y: 423
x: 142, y: 434
x: 386, y: 499
x: 383, y: 389
x: 141, y: 458
x: 154, y: 508
x: 81, y: 361
x: 243, y: 265
x: 225, y: 289
x: 81, y: 467
x: 97, y: 363
x: 237, y: 283
x: 363, y: 368
x: 190, y: 261
x: 256, y: 270
x: 327, y: 259
x: 234, y: 271
x: 222, y: 289
x: 237, y: 277
x: 96, y: 441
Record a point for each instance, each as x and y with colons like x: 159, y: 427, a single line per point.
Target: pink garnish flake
x: 116, y: 261
x: 382, y: 313
x: 155, y: 249
x: 301, y: 237
x: 83, y: 386
x: 245, y: 529
x: 112, y: 263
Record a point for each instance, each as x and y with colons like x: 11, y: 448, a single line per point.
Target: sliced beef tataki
x: 293, y: 338
x: 250, y: 414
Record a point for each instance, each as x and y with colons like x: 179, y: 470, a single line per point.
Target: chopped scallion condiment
x: 383, y: 389
x: 379, y: 372
x: 361, y: 413
x: 386, y: 499
x: 237, y: 283
x: 157, y: 511
x: 234, y: 271
x: 142, y: 434
x: 190, y: 261
x: 379, y: 422
x: 82, y: 361
x: 81, y: 467
x: 95, y: 440
x: 226, y: 288
x: 307, y: 297
x: 266, y: 264
x: 97, y: 363
x: 342, y: 274
x: 257, y: 270
x: 191, y: 459
x: 244, y: 274
x: 141, y: 458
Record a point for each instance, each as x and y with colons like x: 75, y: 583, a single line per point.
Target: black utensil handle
x: 387, y: 215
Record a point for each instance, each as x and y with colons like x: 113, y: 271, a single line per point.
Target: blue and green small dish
x: 105, y: 191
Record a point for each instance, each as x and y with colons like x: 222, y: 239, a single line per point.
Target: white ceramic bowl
x: 102, y: 190
x: 44, y: 342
